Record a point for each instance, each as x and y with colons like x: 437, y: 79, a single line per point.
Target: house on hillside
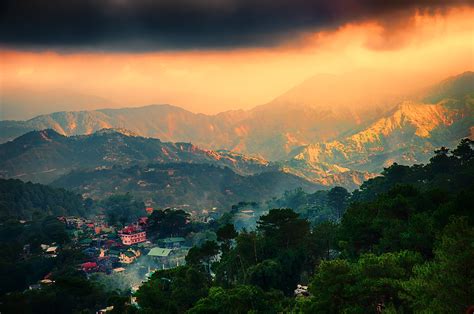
x: 132, y: 234
x: 167, y: 257
x: 159, y: 252
x: 129, y: 256
x: 89, y: 267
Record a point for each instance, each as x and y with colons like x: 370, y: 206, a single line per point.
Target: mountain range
x: 408, y: 135
x: 341, y: 141
x: 164, y: 174
x: 43, y: 156
x: 307, y: 113
x: 266, y: 132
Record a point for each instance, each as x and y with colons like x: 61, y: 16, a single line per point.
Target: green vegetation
x: 24, y: 200
x: 71, y: 292
x: 20, y: 265
x: 23, y: 262
x: 197, y: 184
x: 173, y: 290
x: 317, y: 207
x: 404, y: 244
x: 168, y: 222
x: 122, y: 209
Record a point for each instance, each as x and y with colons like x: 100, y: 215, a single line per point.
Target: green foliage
x: 71, y: 293
x: 283, y: 228
x: 315, y: 207
x: 55, y: 230
x: 19, y: 268
x: 25, y: 200
x: 241, y: 299
x: 173, y: 291
x: 450, y: 172
x: 323, y: 240
x: 168, y: 222
x: 446, y: 284
x: 408, y: 206
x: 226, y: 234
x: 400, y: 219
x: 338, y: 199
x: 122, y: 209
x: 387, y: 236
x: 404, y: 244
x: 202, y: 256
x: 343, y: 286
x: 272, y: 257
x: 265, y: 274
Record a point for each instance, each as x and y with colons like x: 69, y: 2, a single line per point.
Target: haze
x: 399, y: 54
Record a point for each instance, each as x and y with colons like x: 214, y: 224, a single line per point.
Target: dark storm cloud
x: 128, y: 25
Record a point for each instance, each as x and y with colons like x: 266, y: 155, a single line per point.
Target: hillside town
x: 115, y: 251
x: 129, y: 253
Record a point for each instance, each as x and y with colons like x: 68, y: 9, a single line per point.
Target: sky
x: 210, y: 56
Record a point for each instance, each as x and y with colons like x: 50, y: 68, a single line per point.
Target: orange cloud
x: 410, y: 53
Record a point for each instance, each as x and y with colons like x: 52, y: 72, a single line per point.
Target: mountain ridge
x: 408, y: 134
x: 310, y: 140
x: 44, y: 156
x: 56, y: 154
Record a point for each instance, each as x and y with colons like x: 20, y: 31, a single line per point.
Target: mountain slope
x: 264, y: 131
x: 185, y: 184
x: 43, y: 156
x: 312, y: 111
x: 322, y: 108
x: 408, y: 134
x: 321, y: 133
x: 25, y: 200
x: 456, y: 87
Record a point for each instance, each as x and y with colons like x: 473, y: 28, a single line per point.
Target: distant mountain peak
x: 458, y: 86
x: 423, y: 117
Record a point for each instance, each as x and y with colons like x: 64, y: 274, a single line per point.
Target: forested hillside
x: 24, y: 200
x: 171, y: 184
x: 405, y: 244
x: 402, y: 243
x: 43, y: 156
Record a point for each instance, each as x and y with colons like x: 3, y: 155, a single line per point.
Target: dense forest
x: 403, y: 242
x: 24, y: 200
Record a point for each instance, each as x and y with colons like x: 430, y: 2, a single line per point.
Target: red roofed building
x: 89, y: 266
x: 132, y: 235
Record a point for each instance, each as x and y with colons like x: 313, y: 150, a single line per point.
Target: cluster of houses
x: 110, y: 250
x: 113, y: 250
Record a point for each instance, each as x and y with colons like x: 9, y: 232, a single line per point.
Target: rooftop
x: 131, y: 229
x: 159, y: 252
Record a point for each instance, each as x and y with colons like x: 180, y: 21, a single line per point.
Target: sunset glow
x: 414, y: 53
